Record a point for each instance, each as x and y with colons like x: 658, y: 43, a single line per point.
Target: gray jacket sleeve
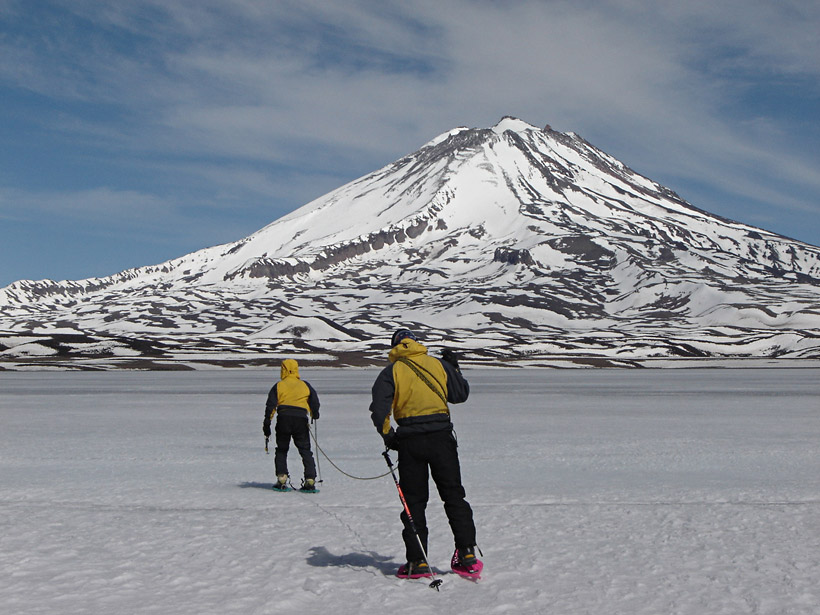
x: 382, y: 398
x: 313, y: 402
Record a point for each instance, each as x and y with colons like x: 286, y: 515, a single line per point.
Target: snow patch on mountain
x: 512, y: 241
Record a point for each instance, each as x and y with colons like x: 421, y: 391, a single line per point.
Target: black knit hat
x: 400, y: 335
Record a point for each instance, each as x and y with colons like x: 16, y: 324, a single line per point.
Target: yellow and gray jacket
x: 416, y: 389
x: 292, y: 396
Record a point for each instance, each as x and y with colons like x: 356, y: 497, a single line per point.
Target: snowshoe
x: 308, y: 486
x: 465, y: 563
x: 415, y: 570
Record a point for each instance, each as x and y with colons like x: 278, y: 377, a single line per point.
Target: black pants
x: 295, y: 427
x: 433, y: 454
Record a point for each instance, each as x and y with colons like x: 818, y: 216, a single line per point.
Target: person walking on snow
x: 416, y: 388
x: 295, y: 401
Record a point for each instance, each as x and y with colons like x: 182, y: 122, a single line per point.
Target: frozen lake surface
x: 595, y: 491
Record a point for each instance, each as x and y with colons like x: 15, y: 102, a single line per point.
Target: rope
x: 341, y: 521
x: 417, y: 369
x: 319, y: 448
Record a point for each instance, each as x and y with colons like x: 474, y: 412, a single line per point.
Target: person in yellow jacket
x: 416, y: 389
x: 293, y: 401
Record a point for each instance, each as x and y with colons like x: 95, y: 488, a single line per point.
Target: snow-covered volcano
x: 512, y: 242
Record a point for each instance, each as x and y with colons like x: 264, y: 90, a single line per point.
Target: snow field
x: 594, y: 491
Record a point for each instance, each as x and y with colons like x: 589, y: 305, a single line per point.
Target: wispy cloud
x: 97, y: 206
x: 271, y: 100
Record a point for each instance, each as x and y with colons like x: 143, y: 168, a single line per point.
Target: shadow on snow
x: 322, y: 558
x: 255, y: 485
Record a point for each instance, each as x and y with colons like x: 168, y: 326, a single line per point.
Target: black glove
x: 451, y: 356
x: 266, y: 429
x: 391, y: 440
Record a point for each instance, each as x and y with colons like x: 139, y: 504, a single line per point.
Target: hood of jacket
x: 289, y: 368
x: 407, y: 348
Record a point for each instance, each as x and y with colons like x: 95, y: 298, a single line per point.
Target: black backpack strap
x: 417, y: 369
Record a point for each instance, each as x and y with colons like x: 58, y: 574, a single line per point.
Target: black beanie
x: 400, y: 335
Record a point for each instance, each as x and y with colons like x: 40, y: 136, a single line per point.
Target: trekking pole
x: 316, y: 437
x: 436, y: 582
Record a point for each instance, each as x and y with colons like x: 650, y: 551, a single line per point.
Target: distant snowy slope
x: 501, y: 239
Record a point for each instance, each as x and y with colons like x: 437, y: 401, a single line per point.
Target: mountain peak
x: 513, y: 124
x: 444, y: 136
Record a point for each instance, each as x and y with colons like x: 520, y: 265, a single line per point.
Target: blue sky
x: 137, y: 131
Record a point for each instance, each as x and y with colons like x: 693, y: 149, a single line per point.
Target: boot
x: 466, y: 564
x: 414, y: 570
x: 466, y: 557
x: 308, y: 485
